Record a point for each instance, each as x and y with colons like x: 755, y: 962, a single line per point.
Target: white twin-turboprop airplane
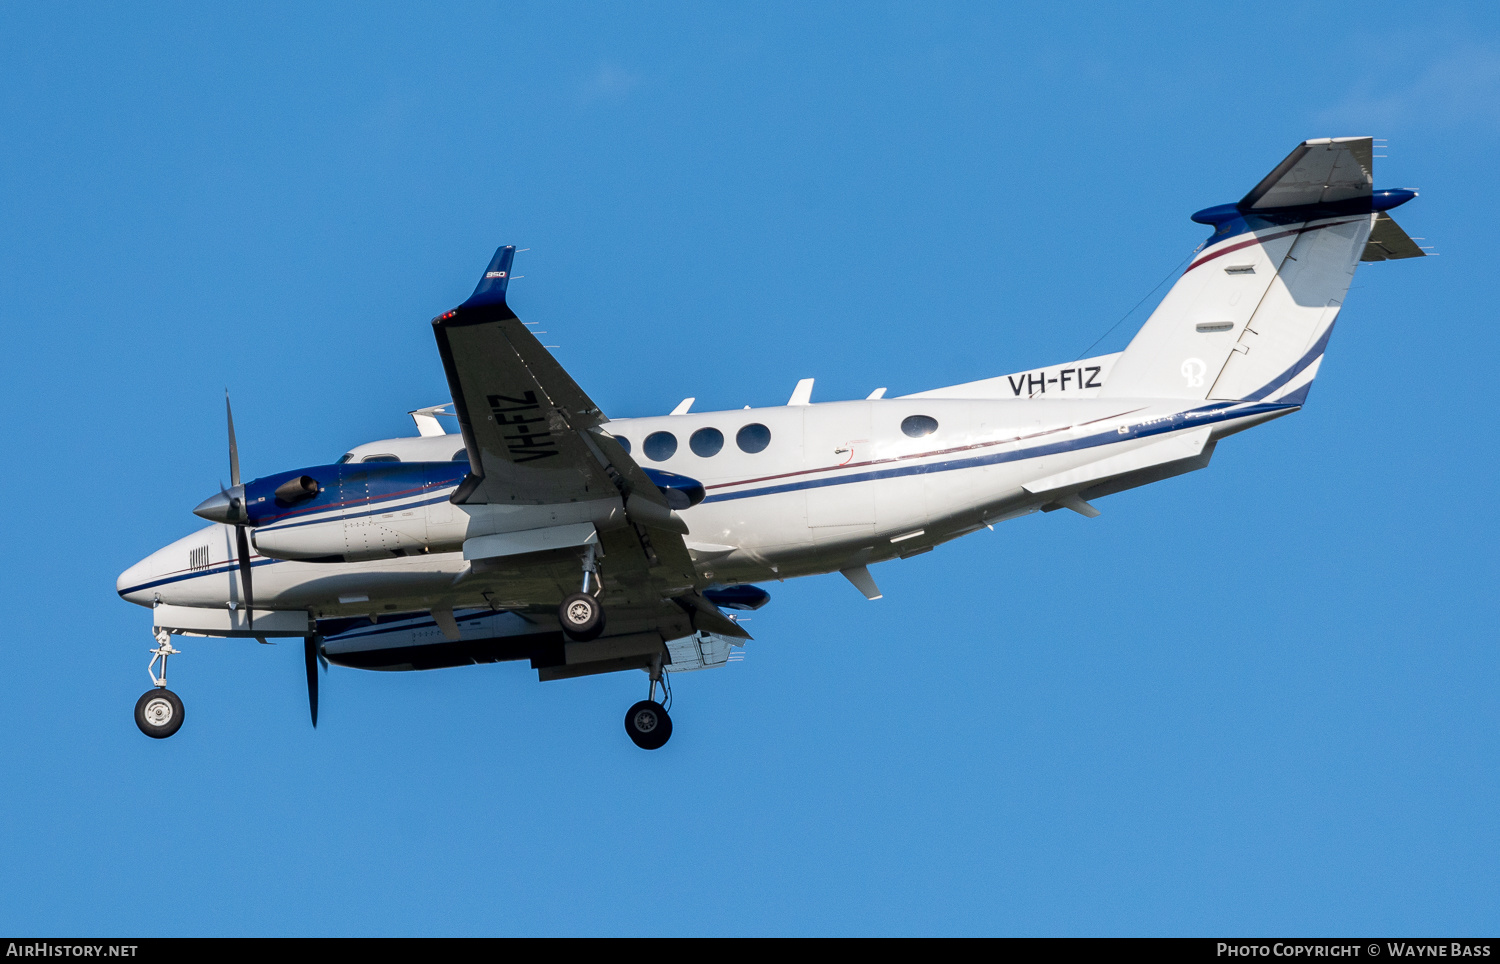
x: 585, y: 544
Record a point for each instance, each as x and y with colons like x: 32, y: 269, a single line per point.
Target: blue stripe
x: 1205, y: 415
x: 217, y: 570
x: 379, y: 508
x: 1300, y: 366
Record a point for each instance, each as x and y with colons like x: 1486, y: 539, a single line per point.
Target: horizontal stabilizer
x: 1319, y: 171
x: 1389, y: 243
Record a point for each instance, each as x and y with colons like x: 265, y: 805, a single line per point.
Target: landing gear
x: 581, y: 615
x: 159, y: 712
x: 647, y: 723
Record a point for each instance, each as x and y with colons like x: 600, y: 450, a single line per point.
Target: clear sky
x: 1258, y: 699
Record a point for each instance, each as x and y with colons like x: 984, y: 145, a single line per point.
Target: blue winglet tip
x: 491, y: 287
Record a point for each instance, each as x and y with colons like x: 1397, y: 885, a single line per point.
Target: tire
x: 158, y: 713
x: 581, y: 616
x: 648, y: 725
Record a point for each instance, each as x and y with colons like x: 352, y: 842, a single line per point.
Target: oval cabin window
x: 706, y: 442
x: 753, y: 438
x: 660, y: 446
x: 918, y: 426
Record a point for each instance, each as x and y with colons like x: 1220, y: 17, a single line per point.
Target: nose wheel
x: 159, y: 712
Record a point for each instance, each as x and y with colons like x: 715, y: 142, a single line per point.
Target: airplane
x: 546, y: 531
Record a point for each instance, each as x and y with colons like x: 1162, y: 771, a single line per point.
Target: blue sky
x: 1255, y: 699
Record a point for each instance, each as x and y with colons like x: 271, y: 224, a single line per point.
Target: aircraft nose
x: 132, y: 581
x: 227, y: 507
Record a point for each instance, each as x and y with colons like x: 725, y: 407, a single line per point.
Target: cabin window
x: 380, y: 458
x: 753, y: 438
x: 624, y: 443
x: 706, y: 442
x: 660, y: 446
x: 918, y: 426
x: 462, y: 455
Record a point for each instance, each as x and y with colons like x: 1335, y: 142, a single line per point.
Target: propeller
x: 310, y: 648
x: 229, y: 508
x: 241, y: 535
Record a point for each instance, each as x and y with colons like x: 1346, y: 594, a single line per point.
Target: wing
x: 532, y: 434
x: 521, y: 415
x: 535, y: 437
x: 1317, y: 172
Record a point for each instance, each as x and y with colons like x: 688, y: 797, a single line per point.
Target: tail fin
x: 1251, y: 316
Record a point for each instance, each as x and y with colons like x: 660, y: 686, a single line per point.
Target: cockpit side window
x: 380, y: 458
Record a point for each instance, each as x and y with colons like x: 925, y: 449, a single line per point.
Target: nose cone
x: 132, y: 581
x: 225, y: 507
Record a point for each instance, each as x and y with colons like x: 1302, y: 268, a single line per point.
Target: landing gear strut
x: 159, y: 712
x: 647, y: 723
x: 581, y: 615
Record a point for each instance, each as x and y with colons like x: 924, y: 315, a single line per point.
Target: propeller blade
x: 234, y: 449
x: 242, y: 544
x: 310, y: 644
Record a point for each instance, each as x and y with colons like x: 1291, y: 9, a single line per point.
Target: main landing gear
x: 581, y: 615
x: 647, y: 723
x: 159, y: 712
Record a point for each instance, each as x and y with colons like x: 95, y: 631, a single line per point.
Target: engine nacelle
x: 376, y: 510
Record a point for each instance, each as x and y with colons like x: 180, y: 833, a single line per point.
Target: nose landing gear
x: 159, y: 712
x: 647, y: 723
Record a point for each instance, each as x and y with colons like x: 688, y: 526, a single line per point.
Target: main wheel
x: 158, y: 713
x: 581, y: 616
x: 648, y: 724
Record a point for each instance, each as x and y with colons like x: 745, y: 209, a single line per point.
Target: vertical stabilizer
x: 1250, y: 317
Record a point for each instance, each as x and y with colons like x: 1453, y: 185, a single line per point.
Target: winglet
x: 491, y: 288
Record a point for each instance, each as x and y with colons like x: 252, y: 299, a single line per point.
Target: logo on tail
x: 1193, y: 370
